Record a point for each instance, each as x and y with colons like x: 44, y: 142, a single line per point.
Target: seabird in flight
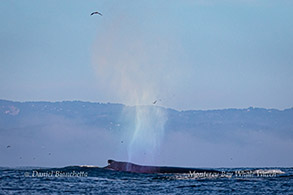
x: 96, y: 13
x: 154, y: 102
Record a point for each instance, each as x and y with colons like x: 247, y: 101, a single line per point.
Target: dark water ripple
x: 99, y: 181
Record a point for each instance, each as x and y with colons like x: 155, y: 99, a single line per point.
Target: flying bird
x: 154, y: 102
x: 96, y: 13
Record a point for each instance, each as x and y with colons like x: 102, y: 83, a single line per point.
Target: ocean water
x: 94, y: 180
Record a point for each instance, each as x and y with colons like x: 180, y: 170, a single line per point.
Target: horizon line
x: 185, y: 110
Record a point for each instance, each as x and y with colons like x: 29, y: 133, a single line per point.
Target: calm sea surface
x: 93, y: 180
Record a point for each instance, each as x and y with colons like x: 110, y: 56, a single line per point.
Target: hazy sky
x: 191, y: 54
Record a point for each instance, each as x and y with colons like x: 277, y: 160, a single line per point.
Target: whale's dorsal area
x: 131, y: 167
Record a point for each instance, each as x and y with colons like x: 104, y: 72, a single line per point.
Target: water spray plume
x: 128, y: 71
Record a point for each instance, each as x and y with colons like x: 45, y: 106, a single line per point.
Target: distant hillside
x: 75, y: 132
x: 17, y: 114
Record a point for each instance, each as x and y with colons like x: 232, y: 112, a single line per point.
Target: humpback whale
x: 135, y: 168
